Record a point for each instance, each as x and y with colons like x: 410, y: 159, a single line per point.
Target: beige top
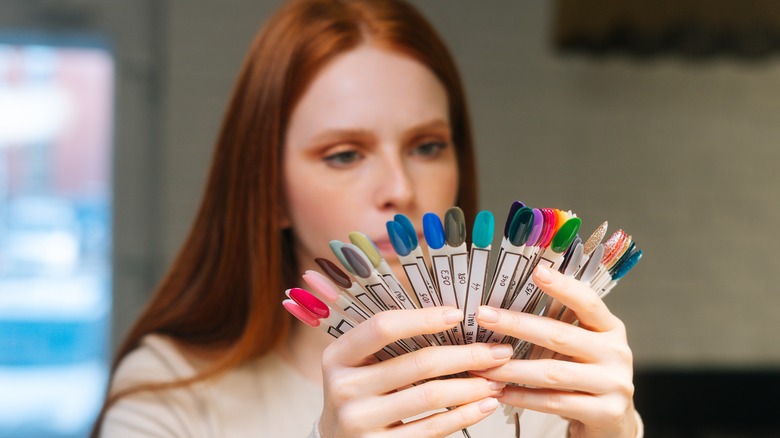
x: 264, y: 398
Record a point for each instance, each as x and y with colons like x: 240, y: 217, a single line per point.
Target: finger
x: 549, y: 333
x: 432, y: 362
x: 367, y: 338
x: 446, y: 423
x: 348, y: 383
x: 554, y: 374
x: 585, y: 408
x: 586, y: 304
x: 429, y: 396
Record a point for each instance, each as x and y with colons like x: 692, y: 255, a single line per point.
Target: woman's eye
x: 342, y: 159
x: 430, y: 149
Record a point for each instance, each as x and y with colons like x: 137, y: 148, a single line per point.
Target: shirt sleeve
x: 640, y: 426
x: 167, y: 413
x: 143, y: 415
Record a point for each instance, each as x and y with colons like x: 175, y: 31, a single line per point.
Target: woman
x: 344, y: 114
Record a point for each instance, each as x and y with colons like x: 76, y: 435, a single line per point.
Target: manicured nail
x: 496, y: 386
x: 544, y: 274
x: 501, y: 351
x: 486, y: 314
x: 453, y: 316
x: 488, y: 405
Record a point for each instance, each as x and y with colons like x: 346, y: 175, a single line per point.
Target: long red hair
x: 223, y: 291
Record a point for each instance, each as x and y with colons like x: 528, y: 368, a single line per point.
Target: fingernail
x: 488, y: 405
x: 500, y: 351
x: 496, y: 386
x: 543, y: 274
x: 453, y: 316
x: 486, y: 314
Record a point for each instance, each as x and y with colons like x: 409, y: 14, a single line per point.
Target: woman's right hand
x: 364, y: 396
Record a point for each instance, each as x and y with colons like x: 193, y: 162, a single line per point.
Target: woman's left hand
x: 593, y: 386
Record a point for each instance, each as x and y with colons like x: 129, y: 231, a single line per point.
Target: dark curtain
x: 697, y: 28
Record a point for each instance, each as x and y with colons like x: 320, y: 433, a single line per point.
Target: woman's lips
x: 386, y: 248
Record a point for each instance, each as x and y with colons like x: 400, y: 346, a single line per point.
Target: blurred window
x: 56, y: 115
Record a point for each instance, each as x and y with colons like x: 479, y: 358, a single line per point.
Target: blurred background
x: 661, y: 117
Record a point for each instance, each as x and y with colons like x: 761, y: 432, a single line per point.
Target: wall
x: 681, y: 154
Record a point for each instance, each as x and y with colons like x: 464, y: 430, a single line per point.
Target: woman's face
x: 370, y: 138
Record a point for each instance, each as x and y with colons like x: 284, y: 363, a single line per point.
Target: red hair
x: 223, y: 291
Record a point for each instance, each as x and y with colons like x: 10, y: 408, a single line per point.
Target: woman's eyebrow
x: 436, y: 125
x: 338, y: 134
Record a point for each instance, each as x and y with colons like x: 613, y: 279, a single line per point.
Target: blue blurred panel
x: 32, y: 343
x: 55, y: 234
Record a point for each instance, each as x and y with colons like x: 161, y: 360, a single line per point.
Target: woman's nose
x: 395, y: 188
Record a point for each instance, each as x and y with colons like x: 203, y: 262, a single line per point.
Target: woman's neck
x: 303, y: 350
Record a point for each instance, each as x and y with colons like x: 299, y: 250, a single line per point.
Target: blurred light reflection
x: 56, y: 111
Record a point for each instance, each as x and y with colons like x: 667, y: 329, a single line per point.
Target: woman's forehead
x: 370, y: 88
